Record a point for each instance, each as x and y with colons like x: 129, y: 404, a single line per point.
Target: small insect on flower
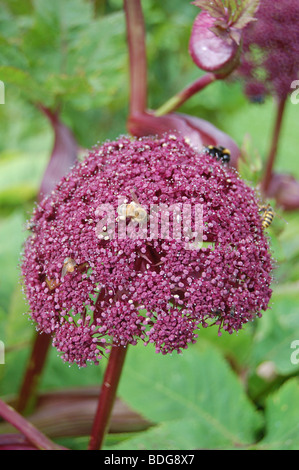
x: 136, y: 212
x: 68, y: 266
x: 267, y: 215
x: 30, y: 225
x: 220, y: 153
x: 52, y: 283
x: 133, y: 210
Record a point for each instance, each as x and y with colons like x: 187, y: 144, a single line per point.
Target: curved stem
x: 33, y: 435
x: 28, y: 391
x: 180, y: 98
x: 274, y: 145
x: 107, y: 396
x: 137, y: 56
x: 64, y: 152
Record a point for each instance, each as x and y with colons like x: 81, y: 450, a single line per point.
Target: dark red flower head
x: 270, y: 60
x: 145, y: 239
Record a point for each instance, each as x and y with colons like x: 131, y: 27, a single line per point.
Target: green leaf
x: 277, y: 330
x: 182, y: 434
x: 245, y: 13
x: 196, y: 389
x: 18, y: 328
x: 23, y: 81
x: 10, y: 55
x: 66, y: 14
x: 63, y: 53
x: 234, y: 14
x: 8, y: 27
x: 20, y: 176
x: 66, y: 86
x: 11, y: 238
x: 282, y: 419
x: 215, y: 9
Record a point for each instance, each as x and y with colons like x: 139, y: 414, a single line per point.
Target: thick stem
x: 107, y: 396
x: 28, y: 391
x: 173, y: 103
x: 33, y: 435
x: 137, y: 56
x: 274, y: 145
x: 64, y: 155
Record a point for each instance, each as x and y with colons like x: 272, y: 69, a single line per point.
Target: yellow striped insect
x: 267, y: 215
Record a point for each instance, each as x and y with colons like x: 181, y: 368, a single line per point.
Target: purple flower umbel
x: 87, y: 285
x: 270, y: 60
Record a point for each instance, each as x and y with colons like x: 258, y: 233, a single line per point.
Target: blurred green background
x: 234, y: 391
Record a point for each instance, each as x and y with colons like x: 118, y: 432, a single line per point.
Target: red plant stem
x: 28, y: 391
x: 107, y: 396
x: 274, y: 145
x: 33, y: 435
x: 51, y: 115
x: 173, y: 103
x: 64, y: 155
x: 137, y: 56
x: 41, y: 342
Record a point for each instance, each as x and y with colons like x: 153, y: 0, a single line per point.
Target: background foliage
x: 237, y: 391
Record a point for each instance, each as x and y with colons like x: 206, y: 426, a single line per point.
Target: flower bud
x: 216, y: 37
x: 212, y: 53
x: 285, y: 190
